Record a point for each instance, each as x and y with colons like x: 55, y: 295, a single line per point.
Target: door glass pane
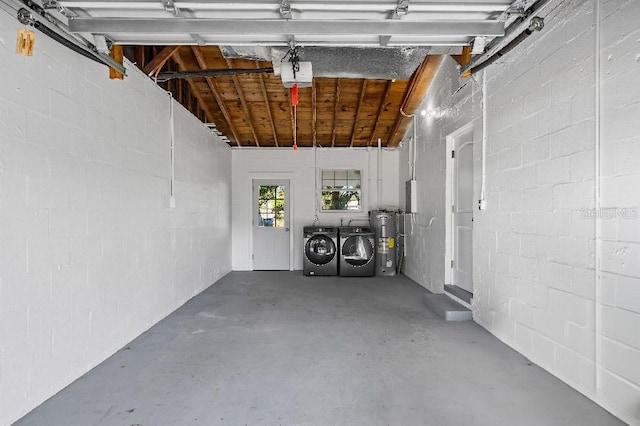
x: 271, y: 206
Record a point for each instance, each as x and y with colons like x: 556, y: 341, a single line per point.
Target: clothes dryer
x: 357, y: 252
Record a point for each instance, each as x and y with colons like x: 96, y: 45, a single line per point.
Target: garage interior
x: 134, y: 134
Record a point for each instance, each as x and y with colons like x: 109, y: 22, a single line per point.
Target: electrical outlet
x: 482, y: 204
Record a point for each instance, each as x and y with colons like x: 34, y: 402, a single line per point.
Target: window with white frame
x: 341, y: 190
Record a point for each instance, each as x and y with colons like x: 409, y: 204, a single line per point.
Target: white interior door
x: 462, y: 212
x: 270, y: 220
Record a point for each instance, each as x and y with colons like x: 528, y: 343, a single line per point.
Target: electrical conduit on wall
x: 597, y: 206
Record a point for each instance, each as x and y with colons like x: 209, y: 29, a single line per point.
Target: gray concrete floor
x: 277, y: 348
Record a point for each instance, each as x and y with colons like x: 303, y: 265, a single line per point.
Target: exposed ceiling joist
x: 267, y: 104
x: 243, y: 103
x: 160, y: 59
x: 216, y: 93
x: 363, y: 90
x: 194, y: 89
x: 383, y: 103
x: 417, y: 88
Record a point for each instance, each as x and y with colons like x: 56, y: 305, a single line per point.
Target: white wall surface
x: 298, y: 166
x: 550, y: 280
x: 90, y: 253
x: 445, y: 112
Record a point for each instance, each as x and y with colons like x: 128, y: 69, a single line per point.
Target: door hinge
x: 453, y: 154
x: 452, y: 264
x: 453, y: 209
x: 252, y: 257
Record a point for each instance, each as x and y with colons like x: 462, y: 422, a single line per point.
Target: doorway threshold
x: 459, y: 293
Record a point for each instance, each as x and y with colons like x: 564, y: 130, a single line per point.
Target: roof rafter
x: 363, y: 89
x: 335, y: 114
x: 265, y: 95
x: 158, y: 61
x: 416, y: 89
x: 243, y: 102
x: 380, y: 109
x: 194, y: 89
x: 215, y: 92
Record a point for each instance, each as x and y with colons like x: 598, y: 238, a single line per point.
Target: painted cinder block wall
x: 299, y: 166
x: 549, y: 279
x: 91, y: 255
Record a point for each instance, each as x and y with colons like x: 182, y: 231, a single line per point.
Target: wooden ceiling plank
x: 355, y: 120
x: 202, y: 104
x: 197, y: 52
x: 243, y: 102
x: 418, y: 85
x: 160, y: 59
x: 265, y: 94
x: 335, y: 113
x: 380, y: 109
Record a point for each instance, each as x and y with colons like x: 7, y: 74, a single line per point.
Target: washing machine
x: 357, y: 252
x: 320, y: 250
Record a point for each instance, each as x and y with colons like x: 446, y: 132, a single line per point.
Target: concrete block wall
x: 556, y: 271
x: 444, y: 110
x: 298, y: 166
x: 91, y: 255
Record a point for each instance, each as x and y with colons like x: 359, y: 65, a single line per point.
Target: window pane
x: 341, y: 190
x: 341, y: 174
x: 271, y: 206
x: 327, y: 174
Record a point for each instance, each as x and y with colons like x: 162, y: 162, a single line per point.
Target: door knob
x: 286, y: 229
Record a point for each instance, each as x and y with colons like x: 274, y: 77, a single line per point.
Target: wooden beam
x: 380, y: 109
x: 202, y: 104
x: 215, y: 92
x: 335, y: 114
x: 413, y: 95
x: 265, y: 95
x: 158, y: 61
x: 139, y: 56
x: 363, y: 89
x: 463, y: 59
x: 117, y: 54
x: 243, y: 102
x: 314, y: 107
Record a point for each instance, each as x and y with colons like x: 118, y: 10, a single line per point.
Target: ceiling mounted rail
x: 416, y: 6
x: 281, y: 26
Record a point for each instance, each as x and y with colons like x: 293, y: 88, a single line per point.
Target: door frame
x: 270, y: 176
x: 449, y: 170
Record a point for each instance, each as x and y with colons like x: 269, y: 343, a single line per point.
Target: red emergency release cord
x: 294, y: 104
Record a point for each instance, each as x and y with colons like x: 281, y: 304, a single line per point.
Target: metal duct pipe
x: 536, y: 24
x: 493, y: 46
x: 170, y: 75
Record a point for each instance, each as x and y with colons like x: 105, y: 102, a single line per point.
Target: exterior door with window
x: 271, y: 236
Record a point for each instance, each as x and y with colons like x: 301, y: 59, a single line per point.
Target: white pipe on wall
x: 379, y: 173
x: 597, y: 206
x: 483, y: 178
x: 172, y: 200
